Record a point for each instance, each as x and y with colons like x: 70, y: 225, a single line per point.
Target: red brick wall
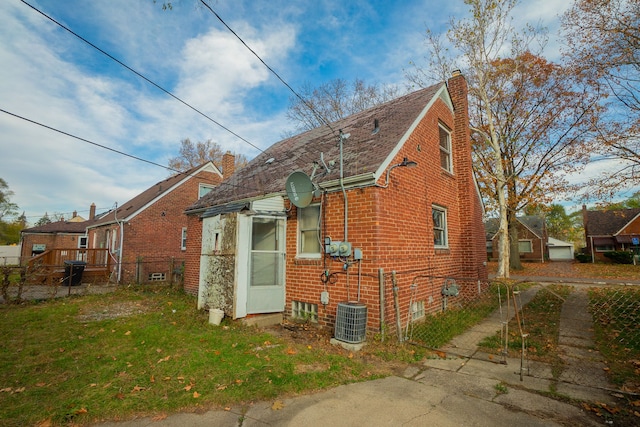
x: 192, y: 254
x: 53, y: 241
x: 156, y: 232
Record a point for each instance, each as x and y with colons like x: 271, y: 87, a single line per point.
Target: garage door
x: 560, y: 254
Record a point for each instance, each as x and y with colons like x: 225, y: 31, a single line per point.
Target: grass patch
x: 139, y: 352
x: 438, y: 329
x: 616, y: 314
x: 541, y: 321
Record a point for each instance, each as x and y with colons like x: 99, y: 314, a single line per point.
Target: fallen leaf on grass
x: 221, y: 387
x: 128, y: 333
x: 81, y: 411
x: 44, y: 423
x: 188, y: 388
x: 291, y: 350
x: 159, y: 417
x: 164, y: 359
x: 277, y: 405
x: 196, y: 395
x: 137, y: 388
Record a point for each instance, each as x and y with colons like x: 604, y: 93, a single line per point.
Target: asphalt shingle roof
x: 60, y: 227
x: 608, y: 223
x: 363, y: 152
x: 134, y: 205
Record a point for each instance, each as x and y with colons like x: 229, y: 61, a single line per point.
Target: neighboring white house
x: 559, y: 250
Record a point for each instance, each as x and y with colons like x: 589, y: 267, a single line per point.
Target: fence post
x: 382, y: 301
x: 171, y: 267
x: 139, y: 269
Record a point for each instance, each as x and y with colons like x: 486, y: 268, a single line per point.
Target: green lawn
x: 134, y: 352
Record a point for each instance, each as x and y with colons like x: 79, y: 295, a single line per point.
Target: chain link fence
x: 442, y: 308
x: 573, y: 334
x: 615, y: 311
x: 20, y: 281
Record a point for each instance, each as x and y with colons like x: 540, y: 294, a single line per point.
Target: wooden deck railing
x: 51, y: 263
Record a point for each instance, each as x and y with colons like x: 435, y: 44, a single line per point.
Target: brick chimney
x: 74, y: 214
x: 474, y: 239
x: 228, y: 164
x: 92, y: 211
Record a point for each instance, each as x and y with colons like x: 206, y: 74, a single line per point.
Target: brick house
x: 532, y: 238
x: 146, y: 236
x: 401, y: 207
x: 65, y: 234
x: 611, y: 230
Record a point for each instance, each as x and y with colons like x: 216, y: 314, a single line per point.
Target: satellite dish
x: 300, y: 189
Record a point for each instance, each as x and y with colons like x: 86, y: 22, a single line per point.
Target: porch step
x: 263, y: 320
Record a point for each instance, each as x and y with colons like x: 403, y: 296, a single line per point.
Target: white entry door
x: 266, y: 266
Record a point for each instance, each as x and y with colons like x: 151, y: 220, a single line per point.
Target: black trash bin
x: 73, y: 273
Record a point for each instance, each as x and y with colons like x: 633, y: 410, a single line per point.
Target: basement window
x: 417, y: 310
x: 304, y: 311
x: 156, y: 277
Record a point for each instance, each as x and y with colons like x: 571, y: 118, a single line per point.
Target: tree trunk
x: 514, y: 260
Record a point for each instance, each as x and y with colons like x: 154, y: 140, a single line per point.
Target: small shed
x: 559, y: 250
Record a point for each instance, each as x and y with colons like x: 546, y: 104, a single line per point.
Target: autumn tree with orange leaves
x: 603, y: 39
x: 531, y: 120
x: 545, y: 118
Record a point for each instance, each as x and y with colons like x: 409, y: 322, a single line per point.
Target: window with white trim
x: 525, y: 246
x: 203, y: 189
x: 183, y: 244
x: 604, y: 248
x: 439, y: 215
x: 309, y: 231
x: 445, y: 148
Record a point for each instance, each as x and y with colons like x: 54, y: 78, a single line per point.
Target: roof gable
x: 142, y: 201
x: 366, y: 153
x: 609, y: 222
x: 533, y: 223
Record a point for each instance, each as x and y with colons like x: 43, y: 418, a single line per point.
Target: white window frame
x: 529, y: 242
x: 203, y: 189
x: 445, y: 152
x: 83, y: 242
x: 302, y: 254
x: 183, y: 239
x: 442, y: 228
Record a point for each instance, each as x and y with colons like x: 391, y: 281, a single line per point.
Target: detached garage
x: 559, y: 250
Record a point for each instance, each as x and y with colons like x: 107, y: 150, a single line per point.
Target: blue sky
x: 50, y: 76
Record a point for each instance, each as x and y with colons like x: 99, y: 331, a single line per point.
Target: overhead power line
x: 143, y: 77
x: 309, y: 106
x: 113, y: 149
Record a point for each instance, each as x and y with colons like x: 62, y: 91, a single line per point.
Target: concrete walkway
x: 584, y: 368
x: 582, y: 377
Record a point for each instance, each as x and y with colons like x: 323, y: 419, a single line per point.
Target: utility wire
x: 143, y: 77
x: 309, y: 106
x: 116, y: 151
